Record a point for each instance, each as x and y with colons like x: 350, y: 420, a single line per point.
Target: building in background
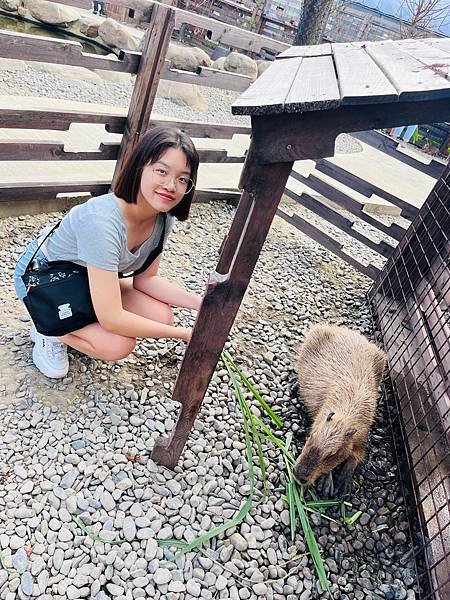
x: 349, y: 21
x: 279, y: 19
x: 354, y: 21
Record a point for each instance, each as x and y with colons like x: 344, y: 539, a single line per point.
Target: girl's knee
x: 167, y: 314
x: 116, y: 349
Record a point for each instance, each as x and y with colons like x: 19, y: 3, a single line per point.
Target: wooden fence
x: 148, y: 67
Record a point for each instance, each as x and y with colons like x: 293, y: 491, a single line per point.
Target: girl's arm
x: 107, y: 301
x: 163, y: 290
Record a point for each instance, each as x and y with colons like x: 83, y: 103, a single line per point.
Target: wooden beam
x: 340, y: 222
x: 223, y: 296
x: 154, y: 49
x: 11, y: 118
x: 207, y: 77
x: 364, y: 187
x: 328, y: 242
x: 48, y: 150
x: 287, y: 130
x: 43, y: 190
x: 22, y: 46
x: 348, y: 203
x: 215, y: 131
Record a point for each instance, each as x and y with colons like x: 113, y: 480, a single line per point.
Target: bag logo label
x: 64, y: 311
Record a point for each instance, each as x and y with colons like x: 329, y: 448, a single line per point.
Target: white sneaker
x: 49, y: 355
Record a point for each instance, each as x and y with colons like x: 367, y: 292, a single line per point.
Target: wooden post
x: 227, y: 285
x: 155, y: 44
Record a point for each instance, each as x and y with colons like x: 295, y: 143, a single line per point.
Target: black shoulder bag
x: 58, y: 296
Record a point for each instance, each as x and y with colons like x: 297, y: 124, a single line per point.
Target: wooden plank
x: 44, y: 190
x: 314, y: 86
x: 348, y: 203
x: 364, y: 187
x: 361, y: 81
x: 328, y: 242
x: 208, y: 78
x: 436, y: 59
x: 11, y: 118
x: 205, y: 130
x: 218, y: 156
x: 22, y: 46
x: 154, y: 49
x: 229, y: 196
x: 425, y: 51
x: 270, y: 90
x: 410, y: 77
x: 54, y: 150
x: 300, y: 51
x: 339, y: 221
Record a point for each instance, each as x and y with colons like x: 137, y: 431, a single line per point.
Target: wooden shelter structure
x: 308, y: 96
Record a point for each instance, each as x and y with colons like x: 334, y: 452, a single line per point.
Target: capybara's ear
x: 379, y: 364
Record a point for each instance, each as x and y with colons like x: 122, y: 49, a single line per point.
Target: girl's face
x: 165, y: 182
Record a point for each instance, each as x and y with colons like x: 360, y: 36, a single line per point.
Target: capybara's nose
x: 300, y: 477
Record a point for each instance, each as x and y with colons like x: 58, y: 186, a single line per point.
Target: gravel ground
x: 81, y: 446
x: 67, y: 448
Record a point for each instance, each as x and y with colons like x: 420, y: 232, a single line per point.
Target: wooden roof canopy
x: 352, y: 86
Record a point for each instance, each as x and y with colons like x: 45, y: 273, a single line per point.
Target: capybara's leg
x: 325, y: 486
x: 294, y: 388
x: 344, y: 478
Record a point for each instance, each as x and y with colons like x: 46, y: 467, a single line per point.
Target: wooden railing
x: 33, y: 48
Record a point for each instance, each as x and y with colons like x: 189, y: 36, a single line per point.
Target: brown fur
x: 339, y: 372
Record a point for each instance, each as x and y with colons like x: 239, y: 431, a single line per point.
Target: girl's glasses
x: 182, y: 183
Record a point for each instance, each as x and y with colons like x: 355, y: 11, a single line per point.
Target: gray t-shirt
x: 94, y: 233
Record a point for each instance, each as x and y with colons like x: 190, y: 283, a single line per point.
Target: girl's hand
x: 185, y: 333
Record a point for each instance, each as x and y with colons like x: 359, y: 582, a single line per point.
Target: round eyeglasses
x: 182, y: 183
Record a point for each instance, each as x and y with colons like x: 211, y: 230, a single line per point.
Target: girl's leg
x: 96, y: 342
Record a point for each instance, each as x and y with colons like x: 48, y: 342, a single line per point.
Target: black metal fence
x: 411, y: 304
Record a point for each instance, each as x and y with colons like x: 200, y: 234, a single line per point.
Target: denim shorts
x: 22, y: 263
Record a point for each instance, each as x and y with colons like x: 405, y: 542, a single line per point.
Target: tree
x: 423, y: 16
x: 313, y: 18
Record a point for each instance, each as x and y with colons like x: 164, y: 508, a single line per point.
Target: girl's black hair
x: 149, y: 149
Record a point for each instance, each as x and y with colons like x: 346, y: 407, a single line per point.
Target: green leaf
x: 310, y: 539
x: 292, y: 509
x: 92, y: 535
x: 184, y: 547
x: 268, y: 410
x: 352, y: 520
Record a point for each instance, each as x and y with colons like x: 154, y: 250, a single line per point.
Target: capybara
x: 339, y: 372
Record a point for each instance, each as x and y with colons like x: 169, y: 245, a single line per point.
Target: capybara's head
x: 330, y: 444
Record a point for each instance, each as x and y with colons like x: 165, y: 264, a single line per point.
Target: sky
x: 397, y: 7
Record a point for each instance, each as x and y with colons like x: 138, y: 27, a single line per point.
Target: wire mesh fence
x: 411, y: 304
